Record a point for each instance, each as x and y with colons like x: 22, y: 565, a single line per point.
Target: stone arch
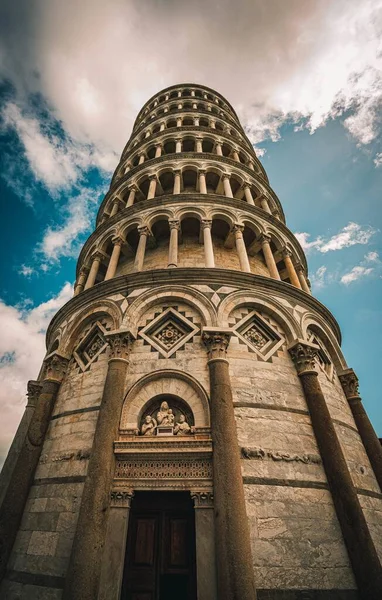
x: 169, y: 293
x: 94, y: 312
x: 224, y: 214
x: 190, y: 212
x: 162, y: 213
x: 318, y: 326
x: 165, y: 382
x: 264, y: 303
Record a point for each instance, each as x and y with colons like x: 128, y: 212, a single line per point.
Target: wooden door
x: 160, y: 557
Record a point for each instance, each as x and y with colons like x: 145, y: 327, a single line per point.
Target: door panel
x: 160, y: 554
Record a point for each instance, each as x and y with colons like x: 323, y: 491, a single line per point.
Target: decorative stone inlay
x: 121, y: 498
x: 55, y: 367
x: 278, y: 456
x: 259, y: 336
x: 89, y: 349
x: 349, y: 382
x: 168, y: 332
x: 172, y: 468
x: 203, y: 499
x: 303, y: 356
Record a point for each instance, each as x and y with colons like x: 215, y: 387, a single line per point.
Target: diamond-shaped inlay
x: 168, y: 332
x: 91, y: 346
x: 259, y: 336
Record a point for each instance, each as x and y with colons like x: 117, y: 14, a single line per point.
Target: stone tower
x: 195, y: 432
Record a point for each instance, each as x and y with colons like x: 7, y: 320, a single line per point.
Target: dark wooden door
x: 160, y: 554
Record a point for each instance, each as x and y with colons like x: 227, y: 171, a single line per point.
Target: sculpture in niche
x: 167, y: 421
x: 182, y: 427
x: 149, y: 426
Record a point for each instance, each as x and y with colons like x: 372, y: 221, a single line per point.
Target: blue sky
x: 305, y: 79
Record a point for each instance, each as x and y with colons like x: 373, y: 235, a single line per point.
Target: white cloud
x: 22, y: 348
x: 26, y: 271
x: 319, y: 277
x: 286, y: 60
x: 63, y: 239
x: 355, y: 274
x: 350, y: 235
x: 378, y: 160
x: 372, y: 256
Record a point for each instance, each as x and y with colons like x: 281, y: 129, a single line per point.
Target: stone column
x: 205, y: 545
x: 173, y: 246
x: 265, y: 241
x: 194, y: 105
x: 212, y: 124
x: 83, y: 576
x: 202, y: 182
x: 16, y: 494
x: 349, y: 382
x: 208, y: 247
x: 251, y: 165
x: 227, y: 186
x: 196, y: 121
x: 162, y: 127
x: 113, y: 557
x: 265, y: 205
x: 140, y: 254
x: 158, y: 150
x: 177, y: 176
x: 248, y: 194
x: 233, y: 548
x: 115, y: 207
x: 178, y: 145
x: 152, y: 187
x: 131, y: 199
x: 81, y: 280
x: 141, y: 158
x: 235, y: 156
x: 199, y: 147
x: 241, y: 249
x: 34, y: 389
x: 179, y: 122
x: 218, y: 148
x: 362, y: 553
x: 113, y: 262
x: 96, y: 261
x: 147, y: 134
x: 290, y: 268
x: 301, y: 275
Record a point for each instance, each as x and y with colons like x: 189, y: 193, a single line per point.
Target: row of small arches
x: 176, y: 106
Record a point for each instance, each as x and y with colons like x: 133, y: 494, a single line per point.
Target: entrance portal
x: 160, y: 554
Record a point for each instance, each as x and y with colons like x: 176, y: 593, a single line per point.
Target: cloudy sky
x: 305, y: 79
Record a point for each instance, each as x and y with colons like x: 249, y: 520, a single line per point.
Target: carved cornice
x: 303, y: 356
x: 202, y: 499
x: 164, y: 277
x: 349, y: 382
x: 216, y: 341
x: 55, y: 367
x: 120, y: 343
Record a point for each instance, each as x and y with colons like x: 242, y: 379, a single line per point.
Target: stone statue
x: 165, y: 415
x: 149, y: 426
x: 182, y: 427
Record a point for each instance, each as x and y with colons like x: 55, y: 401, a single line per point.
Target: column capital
x: 265, y: 238
x: 226, y: 175
x: 299, y: 267
x: 118, y: 240
x: 286, y: 252
x: 174, y: 224
x: 84, y: 270
x: 33, y: 392
x: 202, y: 171
x: 153, y: 177
x: 237, y: 228
x: 133, y: 188
x: 206, y: 223
x: 121, y: 498
x: 144, y: 230
x: 98, y: 255
x: 119, y: 342
x: 55, y: 367
x: 202, y: 499
x: 303, y: 354
x: 159, y: 145
x: 247, y: 184
x: 349, y: 382
x: 216, y: 340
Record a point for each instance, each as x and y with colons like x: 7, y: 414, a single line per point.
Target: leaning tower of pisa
x: 195, y: 432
